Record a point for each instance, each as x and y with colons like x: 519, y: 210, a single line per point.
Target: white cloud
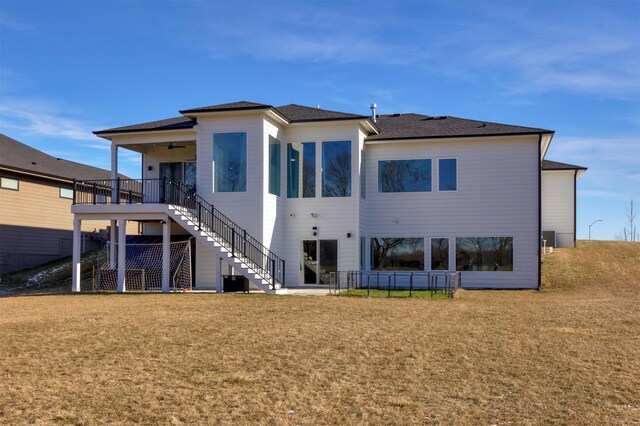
x: 43, y: 118
x: 14, y: 23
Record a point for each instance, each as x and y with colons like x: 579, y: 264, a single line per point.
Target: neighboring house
x: 559, y: 197
x: 36, y: 193
x: 287, y: 195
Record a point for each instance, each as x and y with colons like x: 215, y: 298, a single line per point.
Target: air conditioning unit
x: 548, y: 241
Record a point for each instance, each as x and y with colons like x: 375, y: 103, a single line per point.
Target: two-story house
x: 289, y: 194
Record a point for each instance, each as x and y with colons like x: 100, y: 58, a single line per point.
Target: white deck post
x: 77, y: 237
x: 113, y: 237
x: 166, y: 254
x: 122, y: 255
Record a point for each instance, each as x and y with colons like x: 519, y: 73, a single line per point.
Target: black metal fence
x: 199, y: 211
x: 444, y: 282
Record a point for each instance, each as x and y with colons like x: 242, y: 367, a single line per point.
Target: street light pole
x: 599, y: 220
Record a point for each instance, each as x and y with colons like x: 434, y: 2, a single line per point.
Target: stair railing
x: 215, y: 224
x: 225, y: 231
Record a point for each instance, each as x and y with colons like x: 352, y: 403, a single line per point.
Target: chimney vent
x: 373, y: 112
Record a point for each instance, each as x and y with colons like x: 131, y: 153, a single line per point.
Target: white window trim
x: 62, y: 196
x: 438, y: 174
x: 17, y: 188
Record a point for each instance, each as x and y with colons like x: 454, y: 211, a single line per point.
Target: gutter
x: 539, y: 161
x: 575, y: 206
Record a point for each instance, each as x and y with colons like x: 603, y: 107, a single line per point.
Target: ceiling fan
x: 174, y: 146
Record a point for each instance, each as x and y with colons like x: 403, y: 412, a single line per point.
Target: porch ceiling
x: 144, y: 147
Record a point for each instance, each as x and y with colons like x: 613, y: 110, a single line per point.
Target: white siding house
x: 286, y: 195
x: 559, y: 203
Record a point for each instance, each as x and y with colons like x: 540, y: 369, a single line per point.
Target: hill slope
x: 594, y: 266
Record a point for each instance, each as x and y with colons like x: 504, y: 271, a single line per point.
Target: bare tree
x: 630, y: 231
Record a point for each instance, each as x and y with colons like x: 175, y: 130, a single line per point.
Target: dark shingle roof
x: 19, y: 157
x: 232, y: 106
x: 554, y: 165
x: 168, y: 124
x: 299, y: 113
x: 391, y: 126
x: 417, y: 126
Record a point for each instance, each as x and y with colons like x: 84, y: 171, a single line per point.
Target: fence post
x: 163, y: 184
x: 93, y: 192
x: 200, y: 217
x: 117, y: 191
x: 74, y: 190
x: 410, y: 284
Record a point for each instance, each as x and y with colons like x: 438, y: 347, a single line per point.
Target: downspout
x: 539, y: 160
x: 575, y: 206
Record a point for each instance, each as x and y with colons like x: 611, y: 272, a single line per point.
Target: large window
x: 404, y: 175
x: 397, y: 254
x: 8, y: 183
x: 439, y: 254
x: 447, y: 174
x: 484, y: 254
x: 301, y: 178
x: 230, y: 162
x: 336, y: 169
x: 274, y: 166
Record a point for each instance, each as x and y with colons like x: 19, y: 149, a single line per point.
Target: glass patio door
x: 319, y: 259
x: 184, y: 172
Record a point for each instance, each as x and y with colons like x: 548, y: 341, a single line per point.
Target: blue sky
x: 70, y: 67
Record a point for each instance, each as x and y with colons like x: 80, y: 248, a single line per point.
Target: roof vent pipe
x: 373, y: 112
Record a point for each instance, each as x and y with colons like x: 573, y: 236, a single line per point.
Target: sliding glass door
x: 319, y: 259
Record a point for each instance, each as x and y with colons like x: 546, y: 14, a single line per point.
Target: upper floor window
x: 447, y: 174
x: 484, y: 254
x: 66, y: 193
x: 230, y: 162
x: 336, y: 169
x: 301, y: 170
x: 274, y: 166
x: 8, y: 183
x: 404, y: 175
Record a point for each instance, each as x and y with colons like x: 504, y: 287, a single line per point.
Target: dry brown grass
x: 567, y: 355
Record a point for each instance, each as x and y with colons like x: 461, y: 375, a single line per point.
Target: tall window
x: 484, y: 254
x: 397, y: 254
x: 447, y: 174
x: 301, y: 178
x: 230, y: 162
x: 404, y: 175
x: 274, y: 166
x: 336, y: 169
x: 439, y: 254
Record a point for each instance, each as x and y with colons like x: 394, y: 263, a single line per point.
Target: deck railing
x: 389, y: 281
x: 199, y: 211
